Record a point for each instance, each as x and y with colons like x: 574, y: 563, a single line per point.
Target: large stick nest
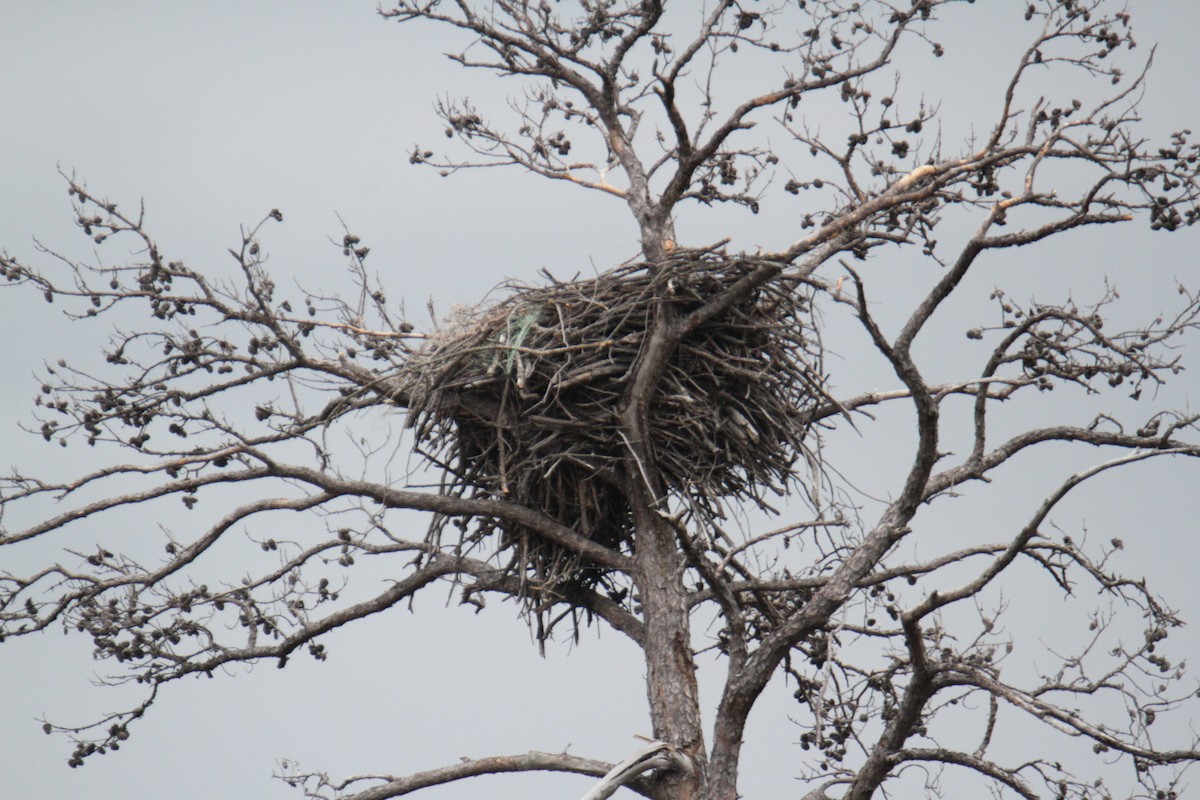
x: 519, y: 401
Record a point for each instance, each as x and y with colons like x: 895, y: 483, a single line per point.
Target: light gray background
x: 216, y: 112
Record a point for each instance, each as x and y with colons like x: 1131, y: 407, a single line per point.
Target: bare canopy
x: 605, y: 450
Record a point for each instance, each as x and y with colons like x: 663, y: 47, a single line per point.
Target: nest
x: 519, y: 401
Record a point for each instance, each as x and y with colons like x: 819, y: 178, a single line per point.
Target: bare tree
x: 596, y: 445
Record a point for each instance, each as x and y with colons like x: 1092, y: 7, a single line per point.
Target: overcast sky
x: 215, y: 112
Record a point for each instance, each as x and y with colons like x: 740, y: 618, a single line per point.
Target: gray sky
x: 216, y: 112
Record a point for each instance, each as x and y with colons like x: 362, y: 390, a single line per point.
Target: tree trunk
x: 670, y: 666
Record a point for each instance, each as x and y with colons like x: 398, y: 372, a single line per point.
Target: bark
x: 670, y: 666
